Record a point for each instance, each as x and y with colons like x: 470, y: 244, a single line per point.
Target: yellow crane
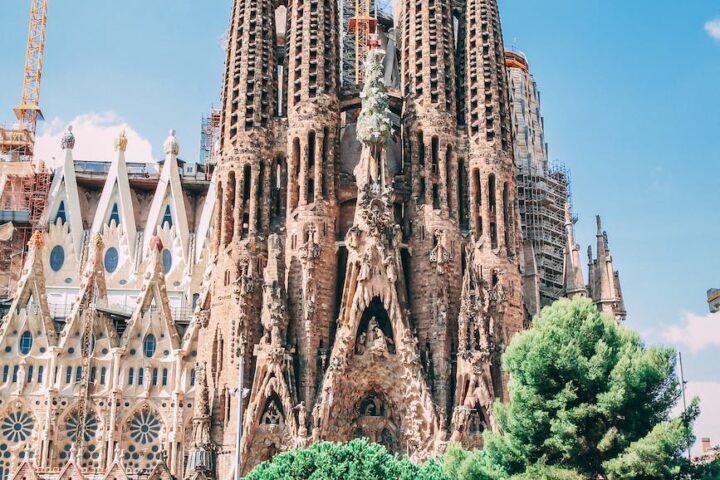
x: 363, y: 24
x: 21, y: 139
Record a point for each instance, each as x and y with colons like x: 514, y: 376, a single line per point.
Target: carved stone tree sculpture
x: 373, y: 125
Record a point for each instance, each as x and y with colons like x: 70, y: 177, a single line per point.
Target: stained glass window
x: 144, y: 428
x: 71, y: 428
x: 26, y: 342
x: 167, y: 260
x: 114, y: 215
x: 111, y: 259
x: 149, y: 345
x: 16, y: 427
x: 57, y: 258
x: 61, y: 213
x: 167, y: 218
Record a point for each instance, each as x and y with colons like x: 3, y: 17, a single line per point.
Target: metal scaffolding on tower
x: 24, y: 183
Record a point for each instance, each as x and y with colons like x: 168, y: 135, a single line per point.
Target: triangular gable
x: 202, y: 236
x: 26, y: 472
x: 199, y: 476
x: 93, y: 290
x: 71, y: 472
x: 64, y: 194
x: 168, y: 195
x: 153, y: 289
x: 117, y: 191
x: 116, y: 472
x: 160, y: 472
x: 32, y: 286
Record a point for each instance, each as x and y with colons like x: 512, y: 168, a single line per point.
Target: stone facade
x: 349, y: 264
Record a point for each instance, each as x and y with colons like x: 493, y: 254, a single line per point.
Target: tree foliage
x: 586, y: 395
x: 356, y: 460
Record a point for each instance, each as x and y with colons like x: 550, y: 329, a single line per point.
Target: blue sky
x: 629, y: 96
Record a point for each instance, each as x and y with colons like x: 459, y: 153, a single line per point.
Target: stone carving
x: 171, y: 145
x: 67, y: 142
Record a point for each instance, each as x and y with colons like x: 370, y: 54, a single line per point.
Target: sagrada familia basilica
x: 358, y: 254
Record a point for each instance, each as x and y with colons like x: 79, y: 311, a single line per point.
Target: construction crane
x: 20, y: 140
x: 364, y: 25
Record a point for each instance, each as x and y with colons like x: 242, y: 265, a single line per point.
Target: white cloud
x: 95, y: 135
x: 708, y: 424
x: 712, y: 27
x: 697, y: 332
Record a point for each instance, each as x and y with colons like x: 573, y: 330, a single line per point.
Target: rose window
x: 17, y: 427
x: 144, y: 450
x: 144, y: 428
x: 91, y: 451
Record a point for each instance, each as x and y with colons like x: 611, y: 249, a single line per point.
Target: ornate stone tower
x: 492, y: 304
x: 243, y: 214
x: 432, y: 143
x: 312, y: 138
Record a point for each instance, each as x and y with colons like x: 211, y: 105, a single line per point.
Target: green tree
x: 586, y: 395
x: 356, y: 460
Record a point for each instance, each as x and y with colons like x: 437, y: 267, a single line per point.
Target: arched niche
x: 374, y: 421
x: 375, y: 332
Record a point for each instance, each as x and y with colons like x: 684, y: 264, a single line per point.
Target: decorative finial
x: 68, y: 139
x: 171, y: 145
x: 121, y: 142
x: 156, y: 244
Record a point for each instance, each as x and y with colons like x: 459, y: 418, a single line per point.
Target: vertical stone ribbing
x: 431, y: 146
x: 492, y: 194
x: 312, y: 145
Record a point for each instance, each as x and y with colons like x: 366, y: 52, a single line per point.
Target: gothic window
x: 273, y: 412
x: 154, y: 376
x: 57, y: 258
x: 477, y: 422
x: 164, y: 376
x: 68, y: 375
x: 6, y: 373
x: 111, y: 259
x: 167, y: 218
x: 40, y: 374
x: 195, y: 298
x: 114, y: 215
x: 131, y: 376
x: 192, y: 377
x: 78, y: 374
x: 68, y: 436
x: 141, y: 376
x: 30, y: 374
x: 102, y: 376
x: 16, y: 368
x: 26, y: 342
x: 61, y: 213
x: 167, y: 260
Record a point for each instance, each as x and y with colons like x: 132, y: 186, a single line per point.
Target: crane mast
x: 363, y: 24
x: 21, y: 139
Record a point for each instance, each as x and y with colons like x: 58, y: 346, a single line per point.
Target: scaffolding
x: 24, y: 189
x: 209, y: 133
x: 542, y: 195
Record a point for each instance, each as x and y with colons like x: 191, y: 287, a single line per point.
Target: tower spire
x: 573, y: 282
